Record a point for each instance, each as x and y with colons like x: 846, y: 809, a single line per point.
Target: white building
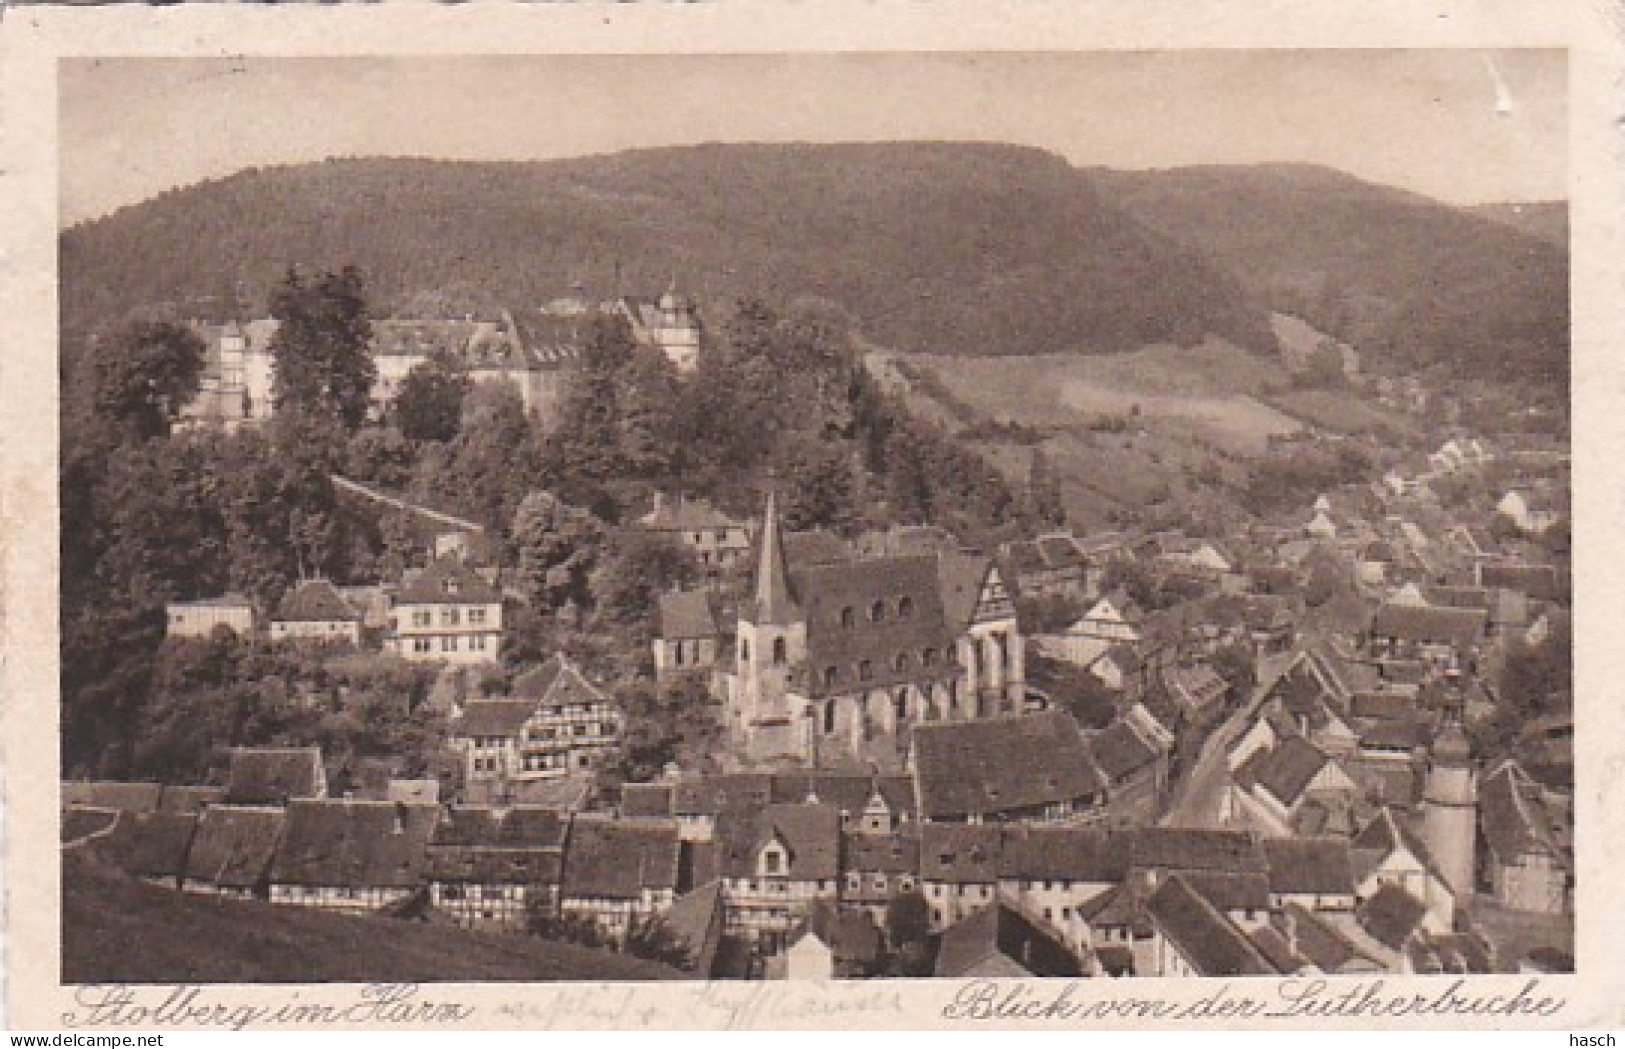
x: 446, y: 613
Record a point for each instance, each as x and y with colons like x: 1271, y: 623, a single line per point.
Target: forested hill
x: 943, y: 248
x: 1409, y: 281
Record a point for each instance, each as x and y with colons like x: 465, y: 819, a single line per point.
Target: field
x: 1209, y: 393
x: 117, y: 930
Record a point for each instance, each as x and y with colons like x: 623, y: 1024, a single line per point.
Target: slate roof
x: 652, y: 800
x: 850, y: 933
x: 960, y: 579
x: 1193, y: 849
x: 1206, y: 939
x: 1230, y: 891
x: 355, y: 844
x: 618, y: 859
x: 710, y: 795
x: 151, y: 844
x: 1087, y: 854
x: 485, y: 718
x: 1460, y: 627
x: 1540, y: 582
x: 826, y: 592
x: 534, y: 683
x: 493, y: 865
x: 448, y: 581
x: 960, y: 853
x: 811, y: 835
x: 687, y: 515
x: 1277, y: 950
x: 1120, y: 751
x: 1386, y: 833
x: 1392, y: 705
x: 466, y: 825
x: 1318, y: 866
x: 233, y: 846
x: 1320, y: 942
x: 687, y: 614
x: 1287, y: 770
x: 881, y: 853
x: 274, y: 775
x: 1001, y: 764
x: 315, y: 601
x: 1001, y: 940
x: 1391, y: 916
x: 817, y: 547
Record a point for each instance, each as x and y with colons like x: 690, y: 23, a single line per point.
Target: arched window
x: 866, y: 671
x: 780, y: 652
x: 829, y: 717
x: 900, y: 704
x: 929, y: 657
x: 900, y: 664
x: 877, y: 611
x: 905, y: 607
x: 849, y: 618
x: 829, y: 677
x: 744, y: 649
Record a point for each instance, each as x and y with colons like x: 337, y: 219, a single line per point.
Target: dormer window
x: 448, y: 586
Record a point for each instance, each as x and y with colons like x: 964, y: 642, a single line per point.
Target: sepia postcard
x: 1060, y: 515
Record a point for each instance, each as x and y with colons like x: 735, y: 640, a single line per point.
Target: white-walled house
x: 446, y: 613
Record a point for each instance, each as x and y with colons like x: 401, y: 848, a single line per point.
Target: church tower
x: 1450, y: 808
x: 771, y: 649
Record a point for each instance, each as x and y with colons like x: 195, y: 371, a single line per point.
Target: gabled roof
x: 1391, y: 916
x: 1087, y: 854
x: 1193, y: 849
x: 558, y: 682
x: 1537, y: 581
x: 619, y: 859
x: 1309, y: 866
x: 1000, y: 940
x: 687, y: 515
x: 233, y: 846
x: 1121, y: 751
x: 484, y: 718
x: 448, y: 581
x: 999, y: 764
x: 687, y: 614
x: 912, y: 619
x: 315, y: 601
x: 960, y: 853
x: 960, y: 579
x: 850, y: 933
x: 275, y: 775
x: 1287, y: 770
x: 1387, y: 833
x: 653, y: 800
x: 1205, y: 938
x: 1318, y: 941
x: 881, y: 853
x: 1460, y: 627
x: 533, y: 826
x: 356, y: 844
x: 810, y: 834
x: 1514, y: 816
x: 151, y: 844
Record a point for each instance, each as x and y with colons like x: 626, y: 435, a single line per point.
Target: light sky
x: 1459, y: 126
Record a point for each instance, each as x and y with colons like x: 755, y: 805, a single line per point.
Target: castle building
x: 671, y: 325
x: 1450, y: 809
x: 838, y: 659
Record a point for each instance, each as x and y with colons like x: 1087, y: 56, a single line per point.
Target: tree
x: 144, y: 376
x: 816, y: 484
x: 648, y: 415
x: 321, y: 350
x: 1044, y: 489
x: 429, y: 406
x: 558, y: 545
x: 640, y: 566
x: 908, y: 930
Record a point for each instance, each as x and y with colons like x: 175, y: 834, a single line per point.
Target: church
x: 835, y: 660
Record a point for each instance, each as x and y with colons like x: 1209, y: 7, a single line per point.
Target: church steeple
x: 774, y: 602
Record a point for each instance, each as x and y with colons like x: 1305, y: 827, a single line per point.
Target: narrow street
x: 1196, y: 798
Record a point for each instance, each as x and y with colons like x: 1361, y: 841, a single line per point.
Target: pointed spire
x: 774, y: 604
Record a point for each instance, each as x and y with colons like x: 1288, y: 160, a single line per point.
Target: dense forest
x: 942, y: 248
x: 1413, y: 284
x: 780, y: 400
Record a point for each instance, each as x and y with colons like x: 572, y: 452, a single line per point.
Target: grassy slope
x: 118, y: 930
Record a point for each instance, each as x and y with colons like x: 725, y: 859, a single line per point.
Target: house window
x: 744, y: 649
x: 477, y: 643
x: 829, y: 717
x: 877, y: 611
x: 449, y: 617
x: 905, y: 607
x: 420, y: 644
x: 772, y: 863
x: 448, y: 644
x: 848, y: 618
x: 422, y: 617
x: 780, y: 652
x: 476, y: 617
x: 677, y: 653
x: 866, y: 671
x: 900, y: 704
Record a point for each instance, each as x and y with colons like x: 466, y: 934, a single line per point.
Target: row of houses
x: 447, y: 612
